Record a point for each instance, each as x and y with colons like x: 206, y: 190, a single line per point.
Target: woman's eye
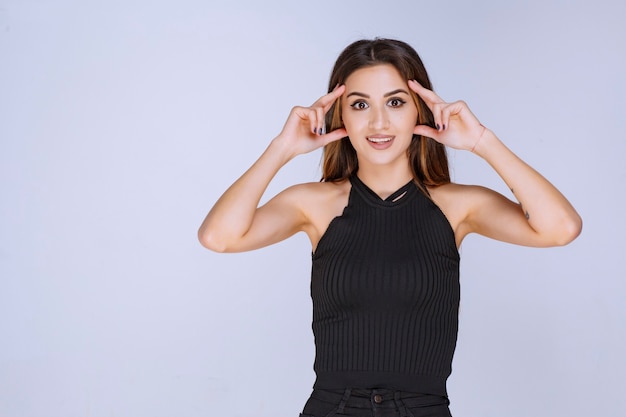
x: 359, y: 105
x: 396, y: 102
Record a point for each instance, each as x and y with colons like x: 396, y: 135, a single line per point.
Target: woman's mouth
x: 379, y: 139
x: 380, y: 142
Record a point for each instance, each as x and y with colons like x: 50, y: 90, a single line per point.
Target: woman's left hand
x: 456, y: 126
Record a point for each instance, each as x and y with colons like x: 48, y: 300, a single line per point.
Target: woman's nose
x: 378, y: 119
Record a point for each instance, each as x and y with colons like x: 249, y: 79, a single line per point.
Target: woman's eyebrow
x: 399, y: 90
x: 391, y: 93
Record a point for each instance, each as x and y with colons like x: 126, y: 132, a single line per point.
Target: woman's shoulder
x: 456, y: 201
x: 459, y: 199
x: 320, y: 191
x: 455, y: 191
x: 320, y: 202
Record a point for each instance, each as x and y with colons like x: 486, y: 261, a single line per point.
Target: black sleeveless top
x: 385, y: 290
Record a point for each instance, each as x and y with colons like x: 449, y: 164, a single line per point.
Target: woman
x: 385, y: 224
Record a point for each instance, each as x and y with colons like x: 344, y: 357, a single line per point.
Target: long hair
x: 427, y: 158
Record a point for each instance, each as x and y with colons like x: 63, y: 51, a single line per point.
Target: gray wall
x: 122, y: 122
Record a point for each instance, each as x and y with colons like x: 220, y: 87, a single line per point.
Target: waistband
x: 426, y: 384
x: 378, y: 398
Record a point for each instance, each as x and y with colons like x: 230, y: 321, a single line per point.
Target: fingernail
x: 437, y: 126
x: 444, y: 127
x: 315, y: 131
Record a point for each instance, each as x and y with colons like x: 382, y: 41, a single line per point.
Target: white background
x: 122, y: 121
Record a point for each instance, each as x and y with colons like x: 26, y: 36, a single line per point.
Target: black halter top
x: 385, y: 291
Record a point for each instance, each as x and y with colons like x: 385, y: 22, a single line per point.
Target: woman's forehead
x: 377, y: 79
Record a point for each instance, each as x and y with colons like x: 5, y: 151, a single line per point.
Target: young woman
x: 385, y: 224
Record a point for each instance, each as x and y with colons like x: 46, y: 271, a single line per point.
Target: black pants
x: 374, y: 403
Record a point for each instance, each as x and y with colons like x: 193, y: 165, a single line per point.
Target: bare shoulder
x: 449, y: 198
x: 455, y: 192
x: 316, y: 194
x: 320, y: 188
x: 325, y: 198
x: 320, y: 202
x: 457, y: 201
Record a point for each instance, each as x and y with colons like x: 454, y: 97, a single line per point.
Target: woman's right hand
x: 236, y: 222
x: 304, y: 130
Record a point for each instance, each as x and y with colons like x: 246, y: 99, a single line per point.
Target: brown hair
x: 427, y: 157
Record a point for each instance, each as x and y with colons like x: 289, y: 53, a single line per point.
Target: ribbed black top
x: 385, y: 290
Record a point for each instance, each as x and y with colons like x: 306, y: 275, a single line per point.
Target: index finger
x: 327, y: 100
x: 427, y: 95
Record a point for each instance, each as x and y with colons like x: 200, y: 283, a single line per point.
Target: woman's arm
x: 236, y: 223
x: 544, y: 217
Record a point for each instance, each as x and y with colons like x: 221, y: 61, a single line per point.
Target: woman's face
x: 379, y: 115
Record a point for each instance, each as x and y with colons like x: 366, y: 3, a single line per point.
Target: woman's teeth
x: 379, y: 140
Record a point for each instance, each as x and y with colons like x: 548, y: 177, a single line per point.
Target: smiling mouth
x: 383, y: 139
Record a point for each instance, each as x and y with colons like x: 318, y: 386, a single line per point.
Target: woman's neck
x: 384, y: 180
